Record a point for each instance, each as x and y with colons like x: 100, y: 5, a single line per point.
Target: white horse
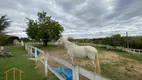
x: 74, y: 50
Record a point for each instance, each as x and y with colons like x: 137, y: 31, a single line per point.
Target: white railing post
x: 22, y: 43
x: 134, y: 51
x: 140, y: 51
x: 46, y: 65
x: 35, y: 57
x: 35, y: 54
x: 30, y: 49
x: 25, y: 46
x: 75, y: 73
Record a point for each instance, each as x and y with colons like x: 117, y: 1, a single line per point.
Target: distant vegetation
x: 3, y: 39
x: 25, y: 39
x: 115, y: 40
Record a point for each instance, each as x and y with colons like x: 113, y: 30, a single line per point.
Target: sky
x: 80, y: 18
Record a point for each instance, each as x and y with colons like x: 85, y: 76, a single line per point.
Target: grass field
x: 124, y: 66
x: 121, y: 53
x: 115, y: 64
x: 19, y: 60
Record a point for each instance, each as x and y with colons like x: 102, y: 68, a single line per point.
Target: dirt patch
x: 109, y: 57
x: 135, y: 66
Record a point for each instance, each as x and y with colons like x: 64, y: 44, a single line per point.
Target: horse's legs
x: 72, y: 60
x: 94, y: 64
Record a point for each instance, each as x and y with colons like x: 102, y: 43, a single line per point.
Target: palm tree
x: 4, y: 23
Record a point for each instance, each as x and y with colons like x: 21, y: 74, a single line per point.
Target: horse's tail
x: 97, y: 64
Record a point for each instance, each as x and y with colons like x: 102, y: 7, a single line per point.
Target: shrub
x: 3, y: 40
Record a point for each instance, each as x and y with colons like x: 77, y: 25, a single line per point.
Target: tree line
x: 124, y: 41
x: 115, y: 40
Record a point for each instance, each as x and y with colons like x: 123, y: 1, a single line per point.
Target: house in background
x: 13, y: 40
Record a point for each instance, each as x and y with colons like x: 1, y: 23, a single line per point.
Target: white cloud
x: 80, y: 18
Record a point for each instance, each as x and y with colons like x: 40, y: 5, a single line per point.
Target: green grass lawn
x: 19, y: 60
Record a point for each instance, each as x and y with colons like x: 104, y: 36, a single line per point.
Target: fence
x: 129, y: 50
x: 39, y: 43
x: 75, y: 69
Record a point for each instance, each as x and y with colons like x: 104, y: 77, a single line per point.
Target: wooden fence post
x: 46, y: 64
x: 75, y: 73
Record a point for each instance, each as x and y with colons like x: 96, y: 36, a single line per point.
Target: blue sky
x: 80, y: 18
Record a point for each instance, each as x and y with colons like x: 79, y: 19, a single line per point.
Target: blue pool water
x: 64, y: 72
x: 33, y: 51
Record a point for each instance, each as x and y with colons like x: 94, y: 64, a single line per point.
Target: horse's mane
x: 70, y: 43
x: 73, y: 44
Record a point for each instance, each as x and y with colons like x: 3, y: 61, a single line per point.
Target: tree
x: 3, y: 39
x: 24, y: 39
x: 107, y: 41
x: 44, y: 28
x: 116, y: 39
x: 4, y: 23
x: 32, y: 28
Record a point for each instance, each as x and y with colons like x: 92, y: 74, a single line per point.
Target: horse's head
x: 60, y: 41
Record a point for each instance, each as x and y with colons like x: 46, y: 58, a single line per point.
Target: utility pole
x: 127, y: 39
